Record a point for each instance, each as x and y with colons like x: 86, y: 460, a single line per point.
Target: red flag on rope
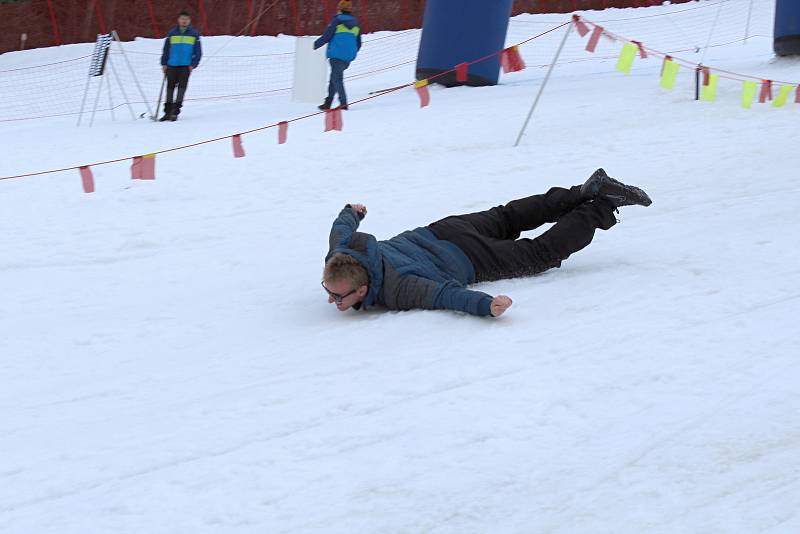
x: 511, y: 60
x: 706, y: 76
x: 144, y: 167
x: 87, y: 179
x: 283, y: 128
x: 461, y: 72
x: 238, y: 149
x: 136, y: 168
x: 797, y: 97
x: 766, y: 91
x: 422, y: 91
x: 642, y: 51
x: 333, y: 119
x: 580, y: 26
x: 594, y: 39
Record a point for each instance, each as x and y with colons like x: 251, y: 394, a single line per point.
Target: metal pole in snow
x: 83, y: 102
x: 711, y: 33
x: 747, y: 27
x: 121, y: 87
x: 697, y: 82
x: 96, y: 101
x: 110, y: 99
x: 544, y: 83
x: 133, y: 73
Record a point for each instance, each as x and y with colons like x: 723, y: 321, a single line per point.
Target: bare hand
x: 164, y: 69
x: 191, y: 68
x: 499, y: 305
x: 360, y: 209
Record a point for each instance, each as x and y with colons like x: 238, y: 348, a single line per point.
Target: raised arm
x: 345, y: 224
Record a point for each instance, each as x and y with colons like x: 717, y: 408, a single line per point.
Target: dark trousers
x: 176, y: 76
x: 490, y: 239
x: 336, y: 83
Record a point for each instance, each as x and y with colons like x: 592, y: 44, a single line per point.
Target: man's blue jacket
x: 411, y: 270
x: 182, y: 49
x: 343, y: 36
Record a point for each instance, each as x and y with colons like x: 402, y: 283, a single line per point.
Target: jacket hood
x: 347, y: 19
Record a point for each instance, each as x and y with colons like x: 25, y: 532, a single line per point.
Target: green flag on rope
x: 709, y: 92
x: 783, y: 95
x: 749, y: 89
x: 626, y: 57
x: 670, y: 74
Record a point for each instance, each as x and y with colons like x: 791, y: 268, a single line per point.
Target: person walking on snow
x: 181, y: 55
x: 343, y: 37
x: 429, y: 267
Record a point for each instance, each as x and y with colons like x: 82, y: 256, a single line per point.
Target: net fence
x: 57, y: 88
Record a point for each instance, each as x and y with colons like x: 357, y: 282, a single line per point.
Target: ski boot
x: 601, y: 185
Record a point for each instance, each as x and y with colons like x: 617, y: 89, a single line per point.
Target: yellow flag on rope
x: 709, y: 92
x: 783, y: 95
x: 669, y: 74
x: 626, y: 57
x: 748, y: 93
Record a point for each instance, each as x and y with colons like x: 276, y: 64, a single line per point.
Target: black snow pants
x: 490, y: 239
x: 176, y: 76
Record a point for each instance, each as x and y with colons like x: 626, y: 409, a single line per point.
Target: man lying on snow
x: 429, y: 267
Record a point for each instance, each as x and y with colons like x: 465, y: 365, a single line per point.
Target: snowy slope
x: 168, y: 362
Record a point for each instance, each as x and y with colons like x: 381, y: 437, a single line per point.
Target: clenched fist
x: 360, y: 209
x: 499, y: 305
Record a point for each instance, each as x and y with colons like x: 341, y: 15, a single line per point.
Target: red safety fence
x: 55, y: 22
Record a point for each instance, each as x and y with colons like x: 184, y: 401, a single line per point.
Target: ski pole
x: 160, y: 92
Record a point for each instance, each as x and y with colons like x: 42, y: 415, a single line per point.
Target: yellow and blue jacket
x: 182, y: 48
x: 343, y: 36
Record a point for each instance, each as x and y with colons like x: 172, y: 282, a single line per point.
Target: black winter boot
x: 325, y: 105
x: 601, y: 185
x: 167, y: 113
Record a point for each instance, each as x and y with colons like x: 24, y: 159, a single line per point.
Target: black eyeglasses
x: 337, y: 298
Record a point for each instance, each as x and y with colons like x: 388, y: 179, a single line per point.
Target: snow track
x: 168, y: 362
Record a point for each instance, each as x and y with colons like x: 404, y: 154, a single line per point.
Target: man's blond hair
x: 343, y: 266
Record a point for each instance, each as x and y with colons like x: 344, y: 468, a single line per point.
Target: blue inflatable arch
x: 458, y: 31
x: 787, y: 27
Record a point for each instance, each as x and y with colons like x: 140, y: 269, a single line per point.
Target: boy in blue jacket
x: 181, y: 55
x: 429, y: 267
x: 343, y: 37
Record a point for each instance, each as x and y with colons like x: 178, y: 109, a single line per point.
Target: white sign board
x: 310, y: 72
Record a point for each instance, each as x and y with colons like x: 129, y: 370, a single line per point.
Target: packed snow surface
x: 169, y: 362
